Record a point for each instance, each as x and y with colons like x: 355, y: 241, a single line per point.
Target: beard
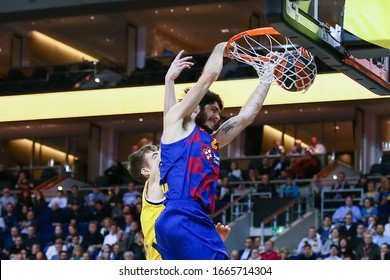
x: 201, y: 119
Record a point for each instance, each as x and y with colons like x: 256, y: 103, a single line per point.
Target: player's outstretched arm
x: 180, y: 111
x: 233, y: 126
x: 223, y: 231
x: 177, y: 66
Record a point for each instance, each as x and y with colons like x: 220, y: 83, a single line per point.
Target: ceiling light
x: 141, y: 119
x: 219, y: 6
x: 156, y: 12
x: 172, y: 29
x: 171, y: 10
x: 33, y: 23
x: 266, y: 112
x: 225, y: 30
x: 1, y: 49
x: 97, y: 80
x: 187, y: 9
x: 91, y: 17
x: 301, y: 110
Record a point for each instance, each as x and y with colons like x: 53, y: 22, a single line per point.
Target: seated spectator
x: 297, y: 149
x: 17, y: 247
x: 111, y: 238
x: 276, y: 149
x: 117, y: 253
x: 349, y: 228
x: 358, y: 240
x: 77, y: 253
x: 313, y: 240
x: 75, y: 197
x: 345, y: 250
x: 22, y: 183
x: 340, y: 184
x: 316, y: 147
x: 99, y: 211
x: 342, y: 211
x: 93, y: 239
x: 379, y: 238
x: 265, y: 167
x: 116, y: 197
x: 73, y: 231
x: 61, y: 200
x: 253, y: 179
x: 58, y: 215
x: 333, y: 240
x: 334, y: 252
x: 289, y: 189
x: 255, y: 255
x: 10, y: 216
x: 284, y: 254
x: 128, y: 255
x: 384, y: 252
x: 269, y: 253
x: 7, y: 198
x: 31, y: 238
x: 38, y: 200
x: 24, y: 199
x: 362, y: 183
x: 130, y: 197
x: 138, y: 247
x: 235, y: 173
x: 53, y: 251
x: 307, y: 253
x: 247, y: 251
x: 26, y: 223
x: 371, y: 193
x: 234, y: 255
x: 225, y: 190
x: 368, y: 210
x: 325, y: 230
x: 279, y: 165
x: 368, y: 250
x: 96, y: 195
x: 266, y: 186
x: 385, y: 191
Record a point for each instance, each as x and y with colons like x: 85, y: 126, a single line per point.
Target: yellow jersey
x: 149, y: 214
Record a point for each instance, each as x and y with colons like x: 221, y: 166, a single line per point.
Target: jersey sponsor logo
x: 214, y: 144
x: 208, y: 153
x: 164, y: 188
x: 216, y: 159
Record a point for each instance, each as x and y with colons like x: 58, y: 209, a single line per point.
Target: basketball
x: 295, y: 70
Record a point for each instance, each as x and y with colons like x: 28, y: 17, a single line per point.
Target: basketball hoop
x: 292, y: 67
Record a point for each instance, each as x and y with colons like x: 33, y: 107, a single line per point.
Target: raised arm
x: 210, y: 73
x: 177, y: 66
x: 233, y: 126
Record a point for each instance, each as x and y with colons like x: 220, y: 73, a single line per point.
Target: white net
x: 292, y: 67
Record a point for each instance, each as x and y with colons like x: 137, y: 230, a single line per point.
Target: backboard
x: 351, y: 37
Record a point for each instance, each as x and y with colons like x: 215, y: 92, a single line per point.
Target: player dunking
x: 143, y: 166
x: 190, y: 165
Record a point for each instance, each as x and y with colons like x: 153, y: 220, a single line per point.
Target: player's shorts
x: 185, y: 232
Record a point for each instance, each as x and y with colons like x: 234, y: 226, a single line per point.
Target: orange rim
x: 251, y: 32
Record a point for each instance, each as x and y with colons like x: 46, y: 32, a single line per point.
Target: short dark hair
x: 209, y: 98
x: 136, y: 162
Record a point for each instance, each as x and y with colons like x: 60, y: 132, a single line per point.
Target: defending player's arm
x: 232, y: 127
x: 173, y: 121
x: 177, y: 66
